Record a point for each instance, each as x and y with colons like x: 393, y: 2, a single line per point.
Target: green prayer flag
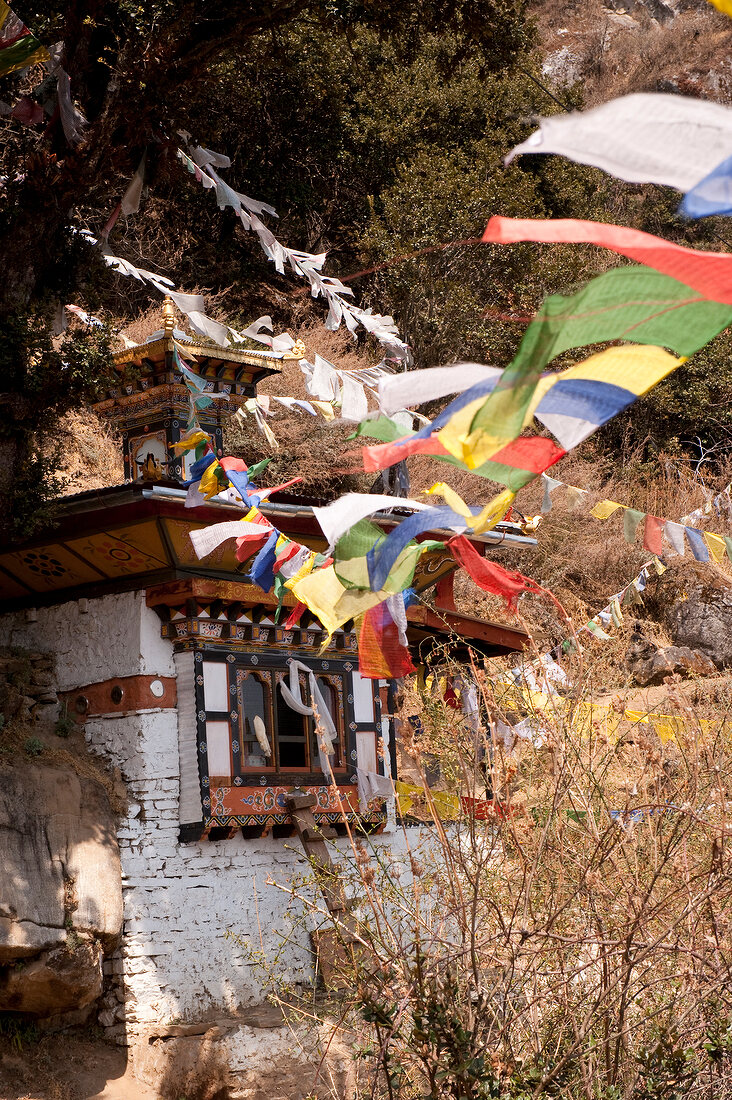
x: 631, y: 519
x: 255, y: 470
x: 635, y: 304
x: 381, y: 427
x: 351, y: 567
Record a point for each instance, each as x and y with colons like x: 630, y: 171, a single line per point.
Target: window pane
x: 292, y: 731
x: 257, y: 734
x: 215, y: 686
x: 218, y: 743
x: 330, y: 697
x: 363, y: 698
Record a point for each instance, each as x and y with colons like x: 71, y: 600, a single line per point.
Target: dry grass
x: 314, y: 449
x: 615, y: 53
x: 91, y: 453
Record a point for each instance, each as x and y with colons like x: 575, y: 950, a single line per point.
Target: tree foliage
x: 377, y: 130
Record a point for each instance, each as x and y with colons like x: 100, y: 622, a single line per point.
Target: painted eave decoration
x: 137, y: 536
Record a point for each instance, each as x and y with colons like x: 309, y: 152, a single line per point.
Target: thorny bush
x: 576, y: 942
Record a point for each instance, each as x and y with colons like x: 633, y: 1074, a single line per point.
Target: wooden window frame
x: 268, y: 665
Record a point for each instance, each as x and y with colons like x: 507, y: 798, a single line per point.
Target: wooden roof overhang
x: 137, y: 536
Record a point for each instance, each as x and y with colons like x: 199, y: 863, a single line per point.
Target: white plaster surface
x: 117, y: 636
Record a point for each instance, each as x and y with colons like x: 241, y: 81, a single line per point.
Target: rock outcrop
x: 694, y: 603
x: 60, y: 887
x: 27, y: 686
x: 671, y: 660
x: 62, y: 980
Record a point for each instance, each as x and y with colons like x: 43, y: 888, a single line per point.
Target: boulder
x: 679, y: 660
x: 694, y: 602
x: 59, y: 981
x: 60, y: 860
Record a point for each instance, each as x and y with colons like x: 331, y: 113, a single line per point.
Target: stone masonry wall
x: 175, y: 961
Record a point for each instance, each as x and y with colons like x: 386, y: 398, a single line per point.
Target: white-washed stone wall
x: 175, y: 960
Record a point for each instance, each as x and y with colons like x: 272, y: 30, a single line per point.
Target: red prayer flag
x: 652, y: 531
x: 709, y: 273
x: 249, y: 544
x: 445, y: 592
x: 381, y: 656
x: 490, y: 576
x: 380, y: 455
x: 295, y: 615
x: 236, y: 464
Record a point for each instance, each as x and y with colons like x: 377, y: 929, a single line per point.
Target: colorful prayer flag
x: 489, y: 575
x: 698, y: 546
x: 18, y: 47
x: 711, y: 195
x: 709, y: 273
x: 652, y: 532
x: 646, y: 137
x: 381, y: 654
x: 605, y: 508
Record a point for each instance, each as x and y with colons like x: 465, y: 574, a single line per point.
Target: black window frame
x: 274, y: 662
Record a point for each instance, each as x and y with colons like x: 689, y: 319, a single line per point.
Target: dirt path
x: 67, y: 1067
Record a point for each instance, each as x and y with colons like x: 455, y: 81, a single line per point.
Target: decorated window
x: 253, y: 728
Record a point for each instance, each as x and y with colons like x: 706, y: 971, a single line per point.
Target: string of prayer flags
x: 18, y: 47
x: 641, y: 138
x: 625, y: 303
x: 701, y: 543
x: 514, y: 465
x: 202, y: 164
x: 709, y: 273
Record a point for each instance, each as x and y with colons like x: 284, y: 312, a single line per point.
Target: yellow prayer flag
x: 209, y: 485
x: 305, y: 569
x: 716, y: 544
x: 605, y: 508
x: 333, y: 604
x: 325, y: 407
x: 489, y: 516
x: 190, y: 442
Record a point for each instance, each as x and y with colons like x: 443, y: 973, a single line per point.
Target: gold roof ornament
x: 168, y: 318
x: 297, y: 351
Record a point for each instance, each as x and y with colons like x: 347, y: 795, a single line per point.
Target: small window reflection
x: 257, y: 735
x: 330, y: 698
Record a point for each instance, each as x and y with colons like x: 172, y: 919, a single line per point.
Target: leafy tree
x: 139, y: 72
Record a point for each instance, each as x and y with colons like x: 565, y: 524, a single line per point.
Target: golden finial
x: 297, y: 351
x: 168, y: 317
